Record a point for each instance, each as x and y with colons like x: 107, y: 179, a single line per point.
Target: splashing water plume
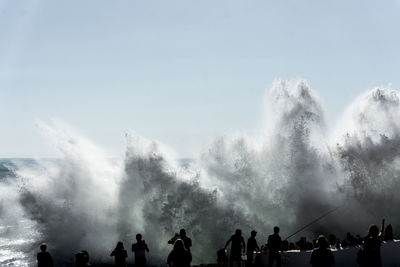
x: 294, y: 171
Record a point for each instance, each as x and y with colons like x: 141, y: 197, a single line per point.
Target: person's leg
x: 270, y: 259
x: 278, y: 259
x: 249, y: 261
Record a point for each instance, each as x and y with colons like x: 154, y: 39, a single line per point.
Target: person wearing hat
x: 252, y: 246
x: 322, y: 256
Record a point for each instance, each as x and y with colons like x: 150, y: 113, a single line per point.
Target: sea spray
x: 298, y: 168
x: 166, y: 201
x: 71, y: 200
x: 368, y: 150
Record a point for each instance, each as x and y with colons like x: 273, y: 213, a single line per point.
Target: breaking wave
x: 298, y: 168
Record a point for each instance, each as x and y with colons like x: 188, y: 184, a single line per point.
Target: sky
x: 180, y: 72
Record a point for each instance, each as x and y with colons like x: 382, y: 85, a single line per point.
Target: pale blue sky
x: 181, y: 72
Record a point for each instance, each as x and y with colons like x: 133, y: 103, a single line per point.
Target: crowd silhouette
x: 369, y: 254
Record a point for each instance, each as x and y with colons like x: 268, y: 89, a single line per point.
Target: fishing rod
x: 312, y: 222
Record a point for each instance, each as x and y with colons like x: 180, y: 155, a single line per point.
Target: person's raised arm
x: 227, y: 242
x: 383, y: 227
x: 173, y: 239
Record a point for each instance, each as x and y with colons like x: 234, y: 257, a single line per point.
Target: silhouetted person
x: 274, y: 246
x: 371, y: 253
x: 120, y: 255
x: 140, y: 248
x: 179, y: 256
x: 222, y: 258
x: 182, y: 235
x: 236, y: 248
x: 322, y: 256
x: 44, y: 258
x: 388, y: 233
x: 302, y: 243
x: 82, y: 259
x: 251, y: 247
x: 351, y: 240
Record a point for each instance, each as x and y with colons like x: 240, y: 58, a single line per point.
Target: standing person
x: 182, y: 235
x: 44, y: 258
x: 179, y: 256
x: 370, y: 255
x: 322, y: 256
x: 251, y: 247
x: 120, y: 255
x: 388, y: 236
x: 274, y: 246
x: 82, y: 259
x: 236, y: 248
x: 140, y: 248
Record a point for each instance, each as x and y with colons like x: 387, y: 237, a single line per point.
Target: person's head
x: 238, y: 232
x: 253, y: 233
x: 138, y: 237
x: 182, y: 232
x: 276, y: 230
x: 120, y: 246
x: 373, y: 230
x: 43, y: 247
x: 178, y: 245
x: 322, y: 242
